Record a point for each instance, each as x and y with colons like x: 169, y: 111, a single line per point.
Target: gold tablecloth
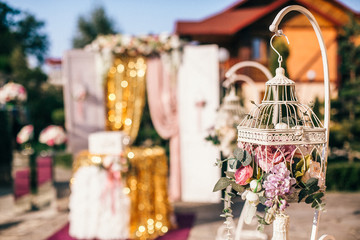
x: 147, y: 183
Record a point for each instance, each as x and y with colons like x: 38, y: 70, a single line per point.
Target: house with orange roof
x: 243, y: 30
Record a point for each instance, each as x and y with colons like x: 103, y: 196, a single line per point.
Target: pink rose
x: 314, y: 171
x: 243, y: 175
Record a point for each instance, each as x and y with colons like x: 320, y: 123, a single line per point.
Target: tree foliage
x: 28, y: 33
x: 20, y: 31
x: 345, y: 132
x: 21, y: 37
x: 90, y: 27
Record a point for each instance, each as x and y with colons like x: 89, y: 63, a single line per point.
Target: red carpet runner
x: 185, y: 222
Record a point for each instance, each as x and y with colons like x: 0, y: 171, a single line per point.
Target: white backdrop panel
x: 83, y: 98
x: 198, y: 88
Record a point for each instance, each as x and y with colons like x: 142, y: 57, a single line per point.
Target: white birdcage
x: 231, y: 108
x: 281, y: 127
x: 228, y: 117
x: 282, y: 155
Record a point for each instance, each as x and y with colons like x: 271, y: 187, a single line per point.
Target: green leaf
x: 246, y: 159
x: 318, y: 195
x: 237, y: 187
x: 309, y: 199
x: 231, y: 194
x: 313, y: 189
x: 265, y: 176
x: 222, y: 184
x: 218, y: 163
x: 314, y: 204
x: 308, y: 159
x: 238, y: 164
x: 262, y: 200
x: 238, y: 153
x: 299, y: 174
x: 303, y: 193
x: 230, y: 174
x: 227, y: 210
x: 300, y: 165
x: 232, y: 163
x: 311, y: 182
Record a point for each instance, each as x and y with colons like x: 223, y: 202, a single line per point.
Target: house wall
x: 305, y: 61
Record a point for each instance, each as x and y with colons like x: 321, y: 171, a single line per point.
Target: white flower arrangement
x: 12, y: 92
x: 52, y: 135
x: 145, y: 45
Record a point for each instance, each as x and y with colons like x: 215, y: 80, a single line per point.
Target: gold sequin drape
x: 125, y: 95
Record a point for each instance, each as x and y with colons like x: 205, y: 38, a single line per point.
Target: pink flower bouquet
x: 273, y: 175
x: 12, y: 92
x: 52, y: 136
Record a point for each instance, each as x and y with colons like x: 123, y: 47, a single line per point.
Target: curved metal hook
x: 279, y: 33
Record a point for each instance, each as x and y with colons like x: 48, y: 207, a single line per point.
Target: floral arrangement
x: 273, y: 176
x: 116, y: 166
x: 12, y: 93
x: 25, y: 134
x: 52, y: 136
x: 224, y: 136
x: 224, y: 133
x: 145, y: 45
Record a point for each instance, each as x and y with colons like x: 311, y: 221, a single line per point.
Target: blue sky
x: 132, y: 17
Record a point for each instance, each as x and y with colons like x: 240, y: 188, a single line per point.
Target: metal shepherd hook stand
x: 274, y: 28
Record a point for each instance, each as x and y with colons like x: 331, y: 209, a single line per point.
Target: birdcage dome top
x: 281, y: 119
x: 231, y: 109
x: 280, y: 78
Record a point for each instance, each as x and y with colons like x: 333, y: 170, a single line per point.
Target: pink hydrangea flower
x: 283, y: 205
x: 278, y: 185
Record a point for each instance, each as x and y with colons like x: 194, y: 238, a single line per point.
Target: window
x: 258, y: 49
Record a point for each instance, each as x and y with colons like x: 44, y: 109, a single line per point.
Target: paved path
x: 342, y: 218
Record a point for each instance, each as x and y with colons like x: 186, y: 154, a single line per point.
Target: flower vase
x: 281, y: 227
x: 21, y: 174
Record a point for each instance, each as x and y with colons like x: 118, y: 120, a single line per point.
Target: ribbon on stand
x: 113, y: 180
x: 80, y: 94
